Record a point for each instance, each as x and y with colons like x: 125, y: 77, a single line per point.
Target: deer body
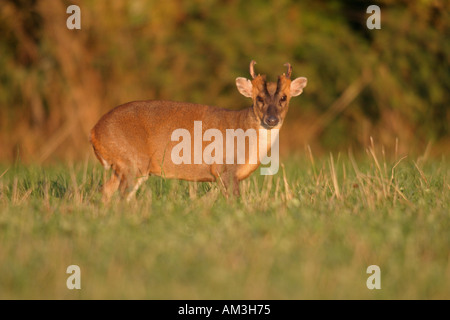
x: 136, y: 139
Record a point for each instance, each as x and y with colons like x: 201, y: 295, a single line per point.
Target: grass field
x: 308, y: 232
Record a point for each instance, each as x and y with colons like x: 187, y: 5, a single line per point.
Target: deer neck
x: 247, y: 119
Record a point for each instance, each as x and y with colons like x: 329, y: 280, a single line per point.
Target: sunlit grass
x: 308, y: 232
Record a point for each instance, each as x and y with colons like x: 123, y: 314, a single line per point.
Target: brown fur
x: 134, y: 139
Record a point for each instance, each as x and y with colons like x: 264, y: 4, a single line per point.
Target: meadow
x: 309, y: 232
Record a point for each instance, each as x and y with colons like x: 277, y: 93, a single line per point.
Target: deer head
x: 270, y: 99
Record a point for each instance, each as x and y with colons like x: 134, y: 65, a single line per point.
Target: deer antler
x: 252, y: 71
x: 289, y: 69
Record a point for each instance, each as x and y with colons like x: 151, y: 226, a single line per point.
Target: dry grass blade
x: 398, y: 191
x: 287, y: 190
x: 14, y: 195
x: 377, y: 164
x: 277, y: 188
x: 422, y: 175
x: 222, y: 187
x: 395, y: 166
x: 311, y: 158
x: 76, y: 189
x: 337, y: 192
x: 26, y: 195
x: 268, y: 181
x: 4, y: 172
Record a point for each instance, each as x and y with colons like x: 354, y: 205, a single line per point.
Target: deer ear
x: 245, y: 87
x: 297, y: 86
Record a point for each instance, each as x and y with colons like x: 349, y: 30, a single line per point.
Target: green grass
x: 308, y: 232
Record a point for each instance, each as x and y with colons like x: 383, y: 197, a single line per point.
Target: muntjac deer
x: 142, y: 138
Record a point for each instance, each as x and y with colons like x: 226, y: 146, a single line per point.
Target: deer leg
x: 110, y: 187
x: 132, y: 193
x: 124, y: 186
x: 231, y: 181
x: 236, y: 190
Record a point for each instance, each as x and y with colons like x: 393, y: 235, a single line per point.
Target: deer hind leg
x: 130, y: 181
x: 120, y: 179
x: 135, y: 188
x: 110, y: 187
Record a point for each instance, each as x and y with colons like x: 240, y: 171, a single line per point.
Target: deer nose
x: 272, y: 121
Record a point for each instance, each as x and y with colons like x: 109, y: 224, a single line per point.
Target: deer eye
x: 283, y: 98
x: 260, y: 99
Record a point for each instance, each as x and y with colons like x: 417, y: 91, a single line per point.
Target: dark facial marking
x: 266, y: 92
x: 278, y: 86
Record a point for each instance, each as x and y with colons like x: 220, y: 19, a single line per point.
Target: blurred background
x: 392, y: 84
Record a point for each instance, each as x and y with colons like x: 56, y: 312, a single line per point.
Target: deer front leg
x: 231, y: 185
x: 236, y: 190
